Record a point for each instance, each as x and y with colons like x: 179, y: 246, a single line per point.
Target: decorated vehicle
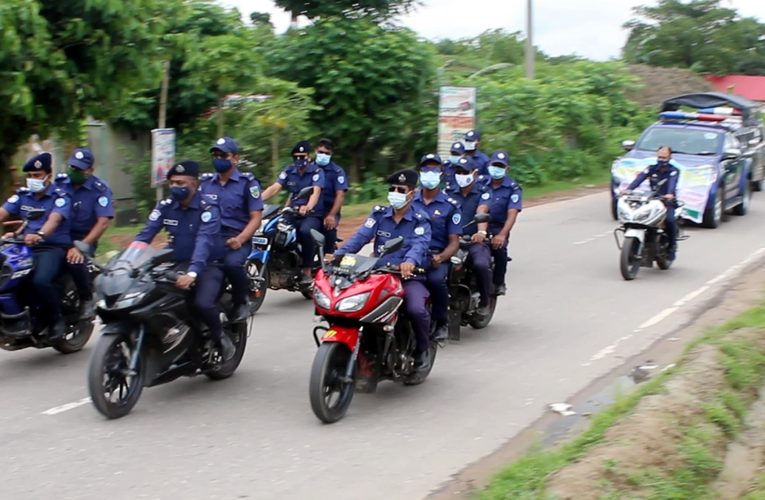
x: 718, y: 171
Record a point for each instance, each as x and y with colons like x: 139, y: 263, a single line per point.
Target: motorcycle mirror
x: 628, y: 145
x: 83, y: 247
x: 731, y: 154
x: 392, y: 245
x: 35, y: 213
x: 304, y: 193
x: 318, y: 238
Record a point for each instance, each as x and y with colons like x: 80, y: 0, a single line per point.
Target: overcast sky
x: 589, y: 28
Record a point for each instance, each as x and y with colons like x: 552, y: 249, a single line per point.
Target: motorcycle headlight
x: 130, y: 299
x: 353, y: 303
x: 320, y: 298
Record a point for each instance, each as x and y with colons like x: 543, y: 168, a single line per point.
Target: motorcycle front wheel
x: 113, y: 389
x: 330, y: 395
x: 237, y: 332
x: 629, y: 263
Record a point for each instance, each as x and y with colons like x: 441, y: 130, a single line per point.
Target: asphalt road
x: 568, y: 319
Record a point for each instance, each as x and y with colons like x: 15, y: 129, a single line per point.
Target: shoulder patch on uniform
x: 514, y: 198
x: 154, y: 215
x: 206, y: 216
x: 485, y: 196
x: 369, y: 223
x: 206, y: 176
x: 13, y: 199
x: 60, y: 202
x: 255, y: 191
x: 419, y: 230
x: 283, y: 175
x: 456, y: 218
x: 341, y: 179
x: 103, y: 201
x: 315, y: 177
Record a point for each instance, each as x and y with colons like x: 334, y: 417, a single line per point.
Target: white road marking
x: 66, y: 407
x: 593, y: 238
x: 666, y: 313
x: 689, y: 298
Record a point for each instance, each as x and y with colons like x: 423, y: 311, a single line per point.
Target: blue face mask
x: 454, y: 158
x: 323, y: 159
x: 430, y: 180
x: 663, y: 163
x: 397, y: 200
x: 496, y: 172
x: 222, y: 165
x: 179, y: 193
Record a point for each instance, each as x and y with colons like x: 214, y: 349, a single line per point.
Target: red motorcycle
x: 368, y: 339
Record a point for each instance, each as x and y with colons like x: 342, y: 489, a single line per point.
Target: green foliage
x: 379, y: 9
x: 700, y: 34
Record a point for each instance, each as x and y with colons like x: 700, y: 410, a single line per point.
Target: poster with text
x: 162, y: 154
x: 456, y: 115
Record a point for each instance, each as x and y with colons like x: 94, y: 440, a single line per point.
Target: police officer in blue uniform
x: 300, y: 174
x: 456, y: 151
x: 333, y: 192
x: 400, y: 218
x: 52, y: 232
x: 506, y: 204
x: 238, y: 196
x: 92, y: 211
x: 472, y: 141
x: 473, y: 198
x: 445, y: 230
x: 193, y: 222
x: 663, y: 178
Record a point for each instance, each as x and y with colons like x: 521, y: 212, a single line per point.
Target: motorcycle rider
x: 445, y: 231
x: 92, y: 212
x: 333, y: 192
x: 471, y: 141
x: 53, y: 231
x: 456, y: 151
x: 473, y: 198
x: 667, y: 174
x: 400, y: 218
x: 505, y: 205
x: 238, y: 196
x: 300, y: 174
x: 194, y: 223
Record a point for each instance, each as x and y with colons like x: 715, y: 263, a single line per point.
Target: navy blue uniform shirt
x: 445, y: 218
x: 235, y: 200
x: 53, y: 200
x: 504, y: 197
x: 478, y: 195
x: 294, y: 181
x: 334, y: 180
x: 656, y: 174
x: 93, y: 199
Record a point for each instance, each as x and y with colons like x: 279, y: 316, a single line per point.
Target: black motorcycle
x: 151, y: 335
x: 464, y: 298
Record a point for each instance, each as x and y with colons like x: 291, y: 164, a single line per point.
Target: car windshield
x: 682, y: 140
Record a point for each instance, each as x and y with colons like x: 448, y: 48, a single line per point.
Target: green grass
x: 108, y: 241
x: 703, y: 433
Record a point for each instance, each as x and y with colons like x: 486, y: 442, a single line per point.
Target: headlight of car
x: 353, y: 303
x: 130, y: 299
x: 320, y: 298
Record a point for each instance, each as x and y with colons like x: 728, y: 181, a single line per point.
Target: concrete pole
x: 163, y: 107
x: 529, y: 41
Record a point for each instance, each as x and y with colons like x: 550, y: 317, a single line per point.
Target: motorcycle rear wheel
x: 257, y: 291
x: 629, y: 262
x: 237, y: 332
x: 477, y: 322
x: 418, y: 378
x: 330, y: 397
x: 77, y: 335
x: 107, y: 376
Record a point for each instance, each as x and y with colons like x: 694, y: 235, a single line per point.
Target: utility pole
x: 529, y: 41
x: 163, y: 107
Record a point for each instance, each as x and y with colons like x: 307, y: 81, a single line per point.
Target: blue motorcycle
x: 19, y: 326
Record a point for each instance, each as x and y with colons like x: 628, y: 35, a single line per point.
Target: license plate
x: 259, y: 240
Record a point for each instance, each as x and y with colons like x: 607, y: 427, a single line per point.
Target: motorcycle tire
x: 308, y: 293
x: 77, y: 335
x: 419, y: 377
x: 629, y: 263
x: 257, y: 292
x: 110, y: 357
x: 237, y: 332
x: 477, y: 322
x: 329, y: 365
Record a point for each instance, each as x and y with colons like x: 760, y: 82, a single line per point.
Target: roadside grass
x: 704, y: 433
x: 114, y: 236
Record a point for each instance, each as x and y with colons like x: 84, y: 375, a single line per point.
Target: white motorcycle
x: 642, y: 236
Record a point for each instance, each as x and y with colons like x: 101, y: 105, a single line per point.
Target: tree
x: 371, y: 83
x: 60, y: 61
x: 699, y: 34
x: 312, y: 9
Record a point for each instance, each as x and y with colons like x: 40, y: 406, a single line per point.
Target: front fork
x: 135, y: 357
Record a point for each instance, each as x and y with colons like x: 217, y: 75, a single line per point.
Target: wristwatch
x: 40, y: 234
x: 192, y: 274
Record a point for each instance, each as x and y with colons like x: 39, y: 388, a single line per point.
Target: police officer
x: 456, y: 151
x: 400, y: 218
x: 663, y: 179
x: 92, y: 211
x: 506, y: 204
x: 473, y: 198
x: 333, y: 192
x: 238, y: 196
x: 300, y: 174
x: 445, y: 230
x: 194, y: 224
x: 472, y: 141
x: 52, y: 230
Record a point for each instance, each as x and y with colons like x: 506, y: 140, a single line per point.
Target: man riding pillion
x: 92, y: 212
x: 472, y: 141
x: 333, y: 192
x: 194, y: 223
x: 473, y: 198
x: 52, y: 230
x: 445, y: 230
x: 238, y: 196
x: 663, y: 179
x: 505, y: 205
x: 400, y: 218
x: 456, y: 151
x: 301, y: 174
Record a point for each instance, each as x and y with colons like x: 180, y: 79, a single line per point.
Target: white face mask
x: 469, y: 145
x: 35, y: 185
x: 463, y: 180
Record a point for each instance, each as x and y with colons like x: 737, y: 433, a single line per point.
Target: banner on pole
x: 456, y: 115
x: 162, y: 154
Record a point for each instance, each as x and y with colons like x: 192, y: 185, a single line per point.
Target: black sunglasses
x: 219, y: 154
x: 398, y: 189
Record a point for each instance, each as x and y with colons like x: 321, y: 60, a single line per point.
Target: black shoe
x: 87, y: 309
x: 227, y: 348
x: 422, y: 361
x: 240, y: 312
x: 57, y: 331
x: 483, y: 312
x: 306, y: 281
x: 441, y: 333
x: 500, y: 290
x: 671, y: 253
